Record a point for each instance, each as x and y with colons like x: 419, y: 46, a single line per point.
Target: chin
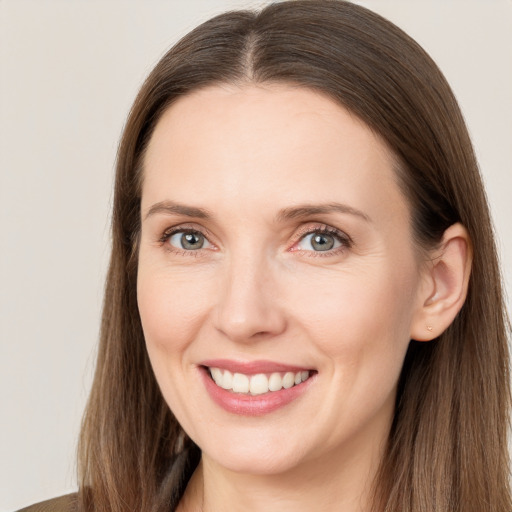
x: 257, y: 464
x: 260, y: 456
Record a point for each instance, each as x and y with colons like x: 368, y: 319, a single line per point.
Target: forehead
x: 227, y: 144
x: 276, y: 114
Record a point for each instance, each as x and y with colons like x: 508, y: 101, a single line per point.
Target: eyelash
x: 321, y: 229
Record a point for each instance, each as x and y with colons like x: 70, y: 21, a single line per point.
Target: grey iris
x: 322, y: 242
x: 192, y: 241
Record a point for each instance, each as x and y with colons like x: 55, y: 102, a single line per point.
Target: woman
x: 303, y: 306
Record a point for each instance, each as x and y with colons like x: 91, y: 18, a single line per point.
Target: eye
x: 188, y: 240
x: 322, y: 241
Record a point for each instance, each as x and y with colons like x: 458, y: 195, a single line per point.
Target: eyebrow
x: 306, y: 210
x: 173, y: 208
x: 290, y: 213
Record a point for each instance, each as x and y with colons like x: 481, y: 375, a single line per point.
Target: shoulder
x: 65, y: 503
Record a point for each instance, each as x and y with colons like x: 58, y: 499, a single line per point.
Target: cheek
x: 356, y: 315
x: 171, y: 307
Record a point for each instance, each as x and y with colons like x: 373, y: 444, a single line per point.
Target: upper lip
x: 252, y: 367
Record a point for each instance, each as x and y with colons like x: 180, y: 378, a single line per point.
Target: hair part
x: 447, y: 449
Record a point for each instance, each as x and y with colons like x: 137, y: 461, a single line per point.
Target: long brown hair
x: 447, y: 450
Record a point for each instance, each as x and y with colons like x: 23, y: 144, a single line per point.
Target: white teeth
x: 240, y: 383
x: 227, y: 381
x: 288, y: 380
x: 257, y: 384
x: 275, y: 383
x: 216, y: 375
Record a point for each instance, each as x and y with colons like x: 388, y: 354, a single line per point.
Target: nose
x: 248, y: 306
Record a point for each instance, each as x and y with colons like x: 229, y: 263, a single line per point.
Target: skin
x: 258, y: 290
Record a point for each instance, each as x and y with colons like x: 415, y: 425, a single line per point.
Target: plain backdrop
x: 69, y: 71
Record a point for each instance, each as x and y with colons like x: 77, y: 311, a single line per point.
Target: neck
x: 319, y: 484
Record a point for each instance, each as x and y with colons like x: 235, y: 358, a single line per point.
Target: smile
x: 259, y: 383
x: 254, y: 388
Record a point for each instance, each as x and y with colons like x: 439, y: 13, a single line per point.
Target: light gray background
x: 69, y: 71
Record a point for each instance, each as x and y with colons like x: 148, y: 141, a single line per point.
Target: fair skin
x: 291, y: 244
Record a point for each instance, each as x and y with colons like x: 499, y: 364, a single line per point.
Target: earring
x: 429, y: 328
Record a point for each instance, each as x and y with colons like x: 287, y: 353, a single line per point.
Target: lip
x: 248, y: 405
x: 252, y: 367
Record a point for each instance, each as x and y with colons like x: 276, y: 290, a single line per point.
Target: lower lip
x: 248, y: 405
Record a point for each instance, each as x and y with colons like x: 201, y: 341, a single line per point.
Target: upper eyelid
x: 319, y: 227
x: 186, y: 229
x: 324, y: 228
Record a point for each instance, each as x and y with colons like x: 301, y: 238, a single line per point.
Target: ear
x: 444, y: 286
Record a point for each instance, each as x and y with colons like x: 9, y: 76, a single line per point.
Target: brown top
x: 65, y: 503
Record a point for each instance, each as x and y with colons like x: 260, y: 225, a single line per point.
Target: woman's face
x: 276, y: 255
